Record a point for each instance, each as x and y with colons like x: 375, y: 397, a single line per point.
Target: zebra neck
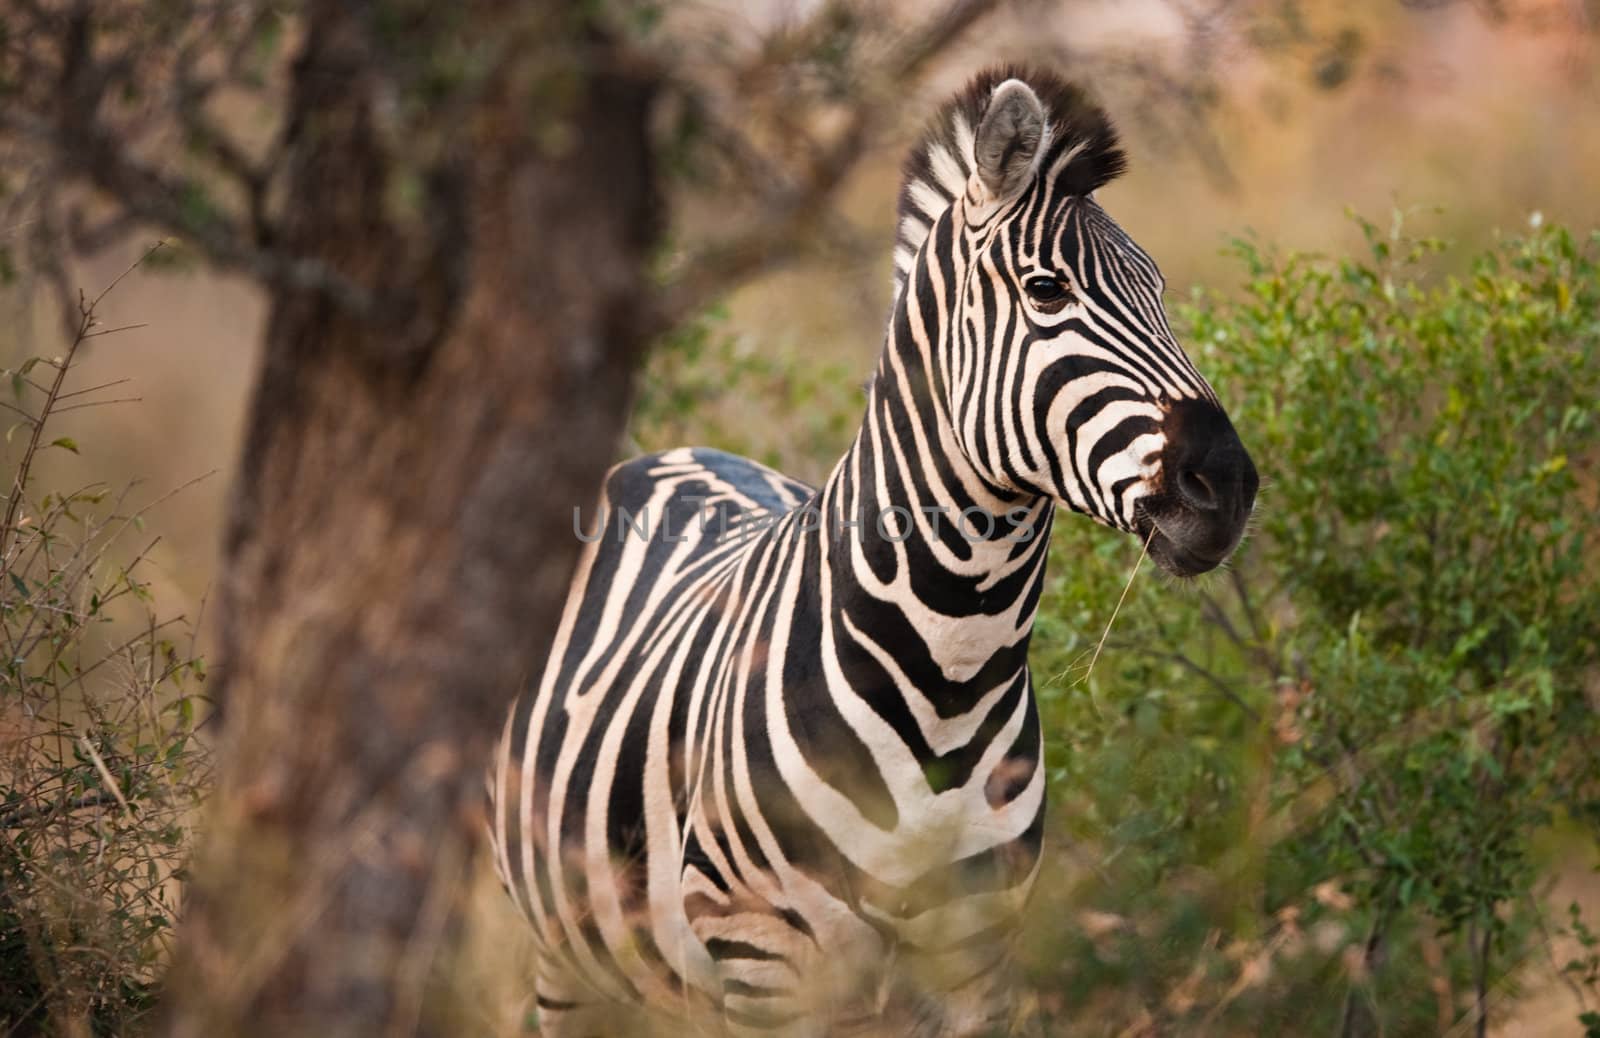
x: 920, y: 549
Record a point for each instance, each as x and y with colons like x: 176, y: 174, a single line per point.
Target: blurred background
x: 1263, y: 119
x: 1272, y: 122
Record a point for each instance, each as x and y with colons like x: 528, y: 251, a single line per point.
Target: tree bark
x: 400, y: 536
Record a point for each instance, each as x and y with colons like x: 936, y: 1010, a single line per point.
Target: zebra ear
x: 1009, y: 139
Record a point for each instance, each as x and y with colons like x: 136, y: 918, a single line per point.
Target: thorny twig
x: 52, y: 394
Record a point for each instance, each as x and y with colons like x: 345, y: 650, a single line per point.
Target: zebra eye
x: 1048, y: 294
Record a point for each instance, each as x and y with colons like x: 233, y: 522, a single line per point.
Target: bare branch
x: 103, y: 385
x: 34, y: 810
x: 717, y: 267
x: 100, y: 403
x: 73, y: 125
x: 1227, y: 691
x: 118, y: 328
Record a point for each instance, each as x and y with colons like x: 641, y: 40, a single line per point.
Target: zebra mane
x: 937, y: 170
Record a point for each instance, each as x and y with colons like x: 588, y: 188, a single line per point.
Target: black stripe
x: 724, y: 950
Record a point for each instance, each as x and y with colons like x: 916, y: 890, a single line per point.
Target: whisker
x: 1144, y: 549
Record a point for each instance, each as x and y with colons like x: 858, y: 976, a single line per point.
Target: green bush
x: 100, y: 770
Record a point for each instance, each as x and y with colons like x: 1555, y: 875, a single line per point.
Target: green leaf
x: 66, y: 443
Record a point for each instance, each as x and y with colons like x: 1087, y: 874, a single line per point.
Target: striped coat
x: 784, y: 766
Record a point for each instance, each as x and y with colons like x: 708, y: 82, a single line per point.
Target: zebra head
x: 1042, y: 325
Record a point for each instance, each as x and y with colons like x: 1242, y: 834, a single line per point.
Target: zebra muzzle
x: 1199, y: 514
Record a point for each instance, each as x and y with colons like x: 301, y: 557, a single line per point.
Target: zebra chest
x: 830, y: 759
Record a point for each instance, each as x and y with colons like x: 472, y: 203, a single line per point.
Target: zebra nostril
x: 1197, y: 490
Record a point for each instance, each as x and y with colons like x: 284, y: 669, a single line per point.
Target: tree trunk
x: 400, y: 537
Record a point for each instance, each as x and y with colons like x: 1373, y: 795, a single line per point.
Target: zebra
x: 784, y: 766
